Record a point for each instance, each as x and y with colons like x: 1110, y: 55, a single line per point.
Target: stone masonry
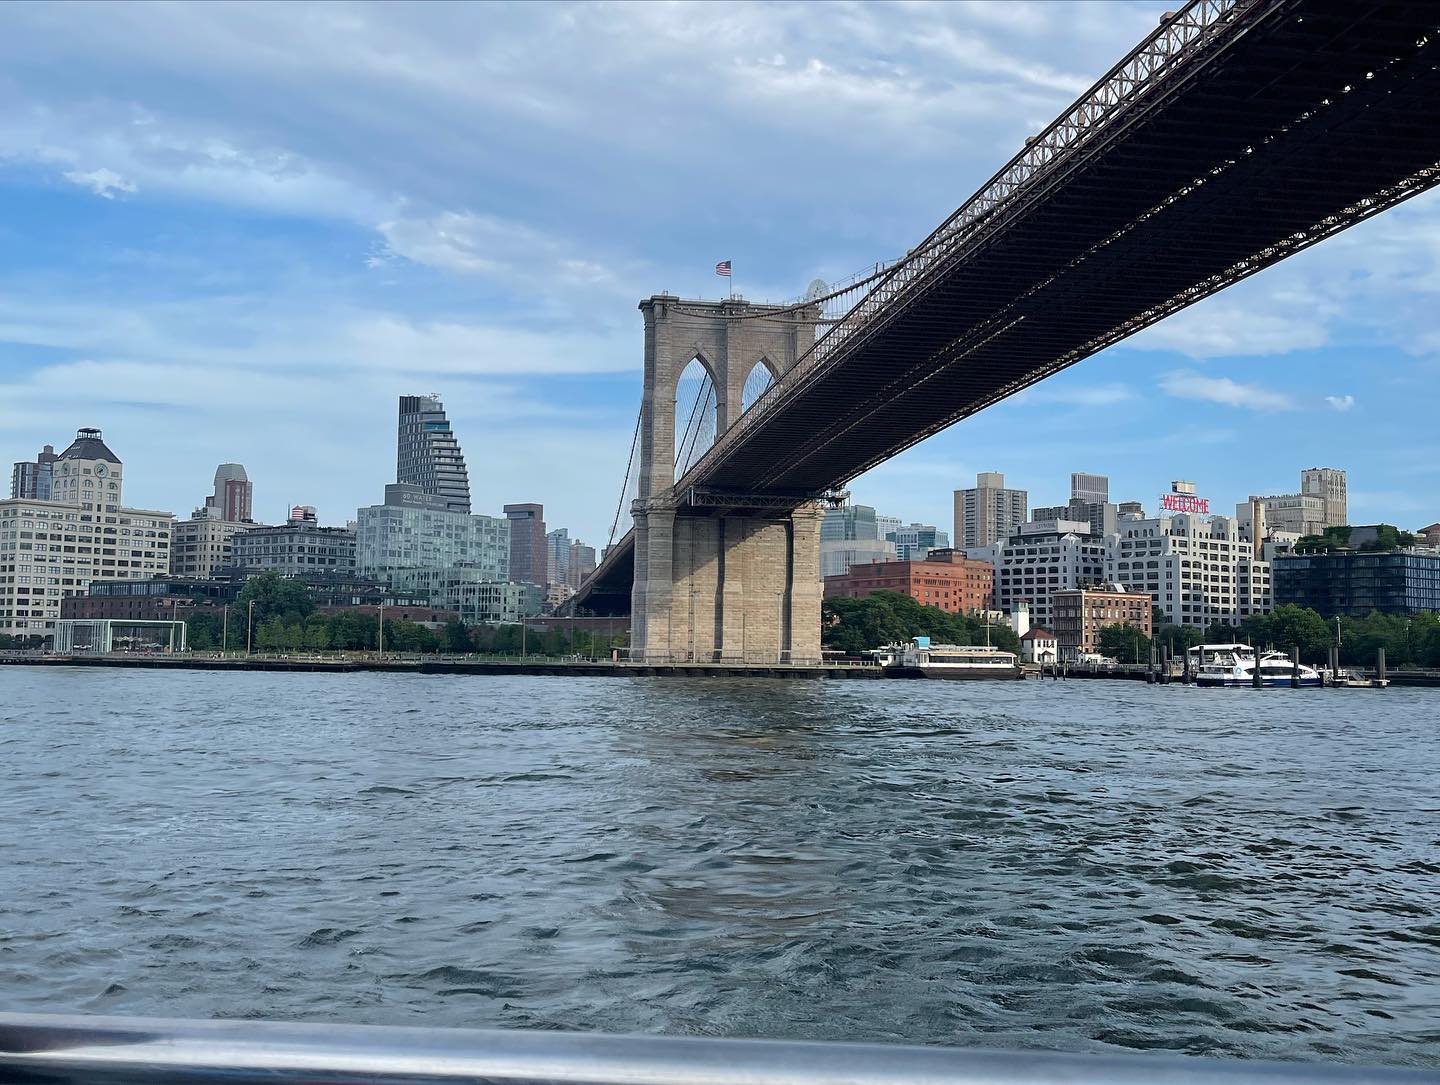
x: 712, y: 586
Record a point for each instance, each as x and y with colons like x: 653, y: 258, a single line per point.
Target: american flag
x: 723, y: 268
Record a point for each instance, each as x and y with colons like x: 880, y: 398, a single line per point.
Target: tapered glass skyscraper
x: 427, y: 454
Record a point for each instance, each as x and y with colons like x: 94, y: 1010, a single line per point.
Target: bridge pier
x: 726, y: 587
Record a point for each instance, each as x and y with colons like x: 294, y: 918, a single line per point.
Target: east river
x: 1073, y: 865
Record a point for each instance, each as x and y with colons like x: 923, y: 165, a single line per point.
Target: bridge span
x: 1237, y: 134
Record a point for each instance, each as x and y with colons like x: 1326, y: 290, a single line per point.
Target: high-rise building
x: 557, y: 556
x: 1089, y: 488
x: 582, y: 563
x: 850, y: 535
x: 412, y: 529
x: 912, y: 543
x: 427, y: 454
x: 1328, y: 484
x: 51, y: 549
x: 988, y: 513
x: 31, y: 478
x: 529, y: 553
x: 231, y: 499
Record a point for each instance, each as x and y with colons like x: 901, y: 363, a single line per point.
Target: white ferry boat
x: 1235, y: 664
x: 949, y: 660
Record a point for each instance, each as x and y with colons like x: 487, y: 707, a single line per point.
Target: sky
x: 237, y: 232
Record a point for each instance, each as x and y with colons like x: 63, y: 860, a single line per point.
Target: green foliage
x: 1388, y: 537
x: 1125, y: 643
x: 275, y: 597
x: 854, y: 626
x: 1178, y: 638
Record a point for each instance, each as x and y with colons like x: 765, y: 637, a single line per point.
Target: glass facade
x: 1350, y: 582
x: 413, y: 530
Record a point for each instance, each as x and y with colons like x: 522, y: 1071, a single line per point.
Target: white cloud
x: 1188, y: 384
x: 103, y: 182
x: 1341, y: 403
x: 1215, y: 330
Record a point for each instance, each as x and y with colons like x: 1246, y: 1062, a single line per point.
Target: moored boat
x: 1236, y: 664
x: 922, y: 659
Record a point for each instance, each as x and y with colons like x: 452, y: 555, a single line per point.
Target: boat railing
x: 79, y: 1050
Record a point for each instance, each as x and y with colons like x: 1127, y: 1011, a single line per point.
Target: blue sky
x: 238, y: 232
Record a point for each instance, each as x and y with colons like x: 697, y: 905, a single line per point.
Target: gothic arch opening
x: 697, y: 407
x: 761, y: 376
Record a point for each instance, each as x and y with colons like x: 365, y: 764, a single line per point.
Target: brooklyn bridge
x: 1237, y: 134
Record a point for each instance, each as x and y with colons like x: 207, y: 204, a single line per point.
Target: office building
x: 946, y: 579
x: 912, y: 543
x: 1322, y: 502
x: 1328, y: 484
x: 297, y: 548
x: 202, y: 546
x: 988, y: 513
x: 30, y: 479
x: 1080, y: 614
x: 529, y: 551
x: 1042, y: 557
x: 52, y: 549
x: 582, y: 563
x: 428, y: 456
x: 412, y: 529
x: 232, y: 497
x: 161, y: 598
x: 557, y: 556
x: 851, y: 535
x: 1355, y: 582
x: 1191, y: 566
x: 1089, y: 488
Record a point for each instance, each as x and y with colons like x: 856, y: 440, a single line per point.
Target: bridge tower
x: 716, y: 583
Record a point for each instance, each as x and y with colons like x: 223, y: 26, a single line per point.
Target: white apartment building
x: 1198, y: 569
x: 203, y: 545
x: 1043, y: 557
x: 52, y: 549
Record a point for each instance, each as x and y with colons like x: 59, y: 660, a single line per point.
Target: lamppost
x: 381, y: 640
x: 225, y: 629
x: 249, y: 625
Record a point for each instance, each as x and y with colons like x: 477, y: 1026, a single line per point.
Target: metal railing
x: 73, y: 1050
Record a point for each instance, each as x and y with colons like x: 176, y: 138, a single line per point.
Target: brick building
x: 946, y: 579
x: 1080, y: 614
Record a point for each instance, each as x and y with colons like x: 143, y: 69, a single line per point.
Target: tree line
x: 284, y: 618
x: 855, y: 626
x: 1409, y: 640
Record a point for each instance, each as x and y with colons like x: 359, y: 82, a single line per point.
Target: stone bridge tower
x: 718, y: 584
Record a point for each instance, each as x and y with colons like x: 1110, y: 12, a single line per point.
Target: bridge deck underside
x: 1076, y: 261
x: 1115, y: 236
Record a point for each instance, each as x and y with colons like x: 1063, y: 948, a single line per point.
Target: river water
x: 1073, y: 865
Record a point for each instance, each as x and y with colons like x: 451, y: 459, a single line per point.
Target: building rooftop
x: 88, y: 446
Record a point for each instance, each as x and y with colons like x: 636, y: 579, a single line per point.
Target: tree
x: 275, y: 597
x: 855, y: 626
x: 1125, y: 643
x: 1287, y: 626
x: 456, y: 637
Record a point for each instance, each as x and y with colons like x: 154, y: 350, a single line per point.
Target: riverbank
x: 583, y: 668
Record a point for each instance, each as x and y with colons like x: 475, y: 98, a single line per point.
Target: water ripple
x: 1077, y: 865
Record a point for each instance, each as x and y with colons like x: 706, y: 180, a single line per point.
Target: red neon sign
x: 1185, y: 503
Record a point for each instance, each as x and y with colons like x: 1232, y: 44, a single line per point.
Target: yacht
x: 948, y: 660
x: 1235, y: 664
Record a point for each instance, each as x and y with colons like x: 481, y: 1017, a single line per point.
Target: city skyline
x: 177, y: 254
